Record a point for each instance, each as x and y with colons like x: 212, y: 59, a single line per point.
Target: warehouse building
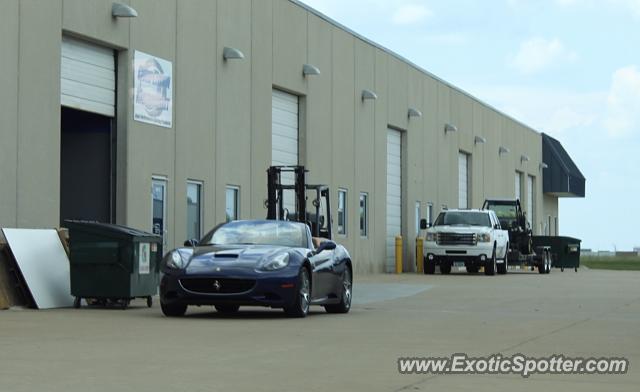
x: 164, y: 115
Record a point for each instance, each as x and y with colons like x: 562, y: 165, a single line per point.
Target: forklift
x: 279, y: 200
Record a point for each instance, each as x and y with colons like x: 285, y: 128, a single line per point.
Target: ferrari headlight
x: 430, y: 237
x: 484, y: 237
x: 175, y: 260
x: 275, y: 262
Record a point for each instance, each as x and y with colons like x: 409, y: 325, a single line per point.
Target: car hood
x: 460, y: 229
x: 229, y: 259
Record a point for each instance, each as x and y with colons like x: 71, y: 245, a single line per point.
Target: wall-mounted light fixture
x: 450, y: 128
x: 503, y: 150
x: 543, y: 166
x: 119, y: 10
x: 414, y: 113
x: 232, y: 54
x: 368, y: 94
x: 523, y: 159
x: 309, y: 70
x: 479, y: 140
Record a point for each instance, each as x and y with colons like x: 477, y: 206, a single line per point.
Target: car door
x: 322, y: 265
x: 502, y: 236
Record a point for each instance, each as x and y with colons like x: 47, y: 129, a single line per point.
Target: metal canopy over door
x: 463, y: 180
x: 87, y: 77
x: 284, y: 138
x: 394, y: 193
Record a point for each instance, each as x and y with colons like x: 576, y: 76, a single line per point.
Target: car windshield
x: 463, y: 218
x: 506, y: 213
x: 258, y: 233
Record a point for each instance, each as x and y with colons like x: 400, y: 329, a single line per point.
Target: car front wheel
x: 429, y: 266
x: 173, y: 310
x: 300, y: 307
x: 490, y: 268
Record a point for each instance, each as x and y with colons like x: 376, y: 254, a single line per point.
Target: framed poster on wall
x: 152, y: 90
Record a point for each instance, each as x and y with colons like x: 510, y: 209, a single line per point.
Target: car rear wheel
x: 345, y: 301
x: 227, y: 309
x: 490, y: 268
x: 173, y: 310
x: 300, y: 307
x: 429, y: 266
x: 445, y: 267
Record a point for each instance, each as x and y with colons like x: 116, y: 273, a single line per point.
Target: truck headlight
x: 175, y: 260
x: 484, y: 237
x: 276, y: 262
x: 430, y: 237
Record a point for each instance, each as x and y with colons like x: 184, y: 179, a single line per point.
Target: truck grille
x: 217, y: 286
x: 456, y: 239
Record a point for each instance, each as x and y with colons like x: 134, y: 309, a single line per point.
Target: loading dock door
x: 87, y: 77
x: 394, y: 193
x: 284, y: 138
x: 463, y: 180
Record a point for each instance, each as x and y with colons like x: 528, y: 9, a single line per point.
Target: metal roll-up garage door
x: 87, y: 77
x: 394, y: 193
x: 530, y: 201
x: 463, y: 180
x: 284, y: 137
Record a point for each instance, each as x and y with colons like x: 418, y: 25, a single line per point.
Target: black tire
x: 149, y: 301
x: 504, y: 267
x: 490, y: 267
x: 549, y: 267
x: 473, y: 269
x: 76, y: 302
x: 173, y: 310
x: 345, y: 299
x: 445, y: 267
x: 227, y: 309
x: 429, y: 266
x: 300, y: 307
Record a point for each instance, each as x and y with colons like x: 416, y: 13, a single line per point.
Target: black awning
x: 561, y: 178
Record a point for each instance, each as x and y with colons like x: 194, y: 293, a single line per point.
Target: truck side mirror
x: 423, y: 224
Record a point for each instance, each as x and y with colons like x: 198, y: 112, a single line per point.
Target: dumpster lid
x: 114, y: 229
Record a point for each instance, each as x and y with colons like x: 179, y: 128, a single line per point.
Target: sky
x: 569, y: 68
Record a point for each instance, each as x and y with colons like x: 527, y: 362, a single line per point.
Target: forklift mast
x: 275, y: 200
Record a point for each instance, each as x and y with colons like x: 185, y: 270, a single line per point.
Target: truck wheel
x: 548, y: 263
x: 445, y: 267
x: 490, y: 267
x: 502, y: 268
x: 429, y: 266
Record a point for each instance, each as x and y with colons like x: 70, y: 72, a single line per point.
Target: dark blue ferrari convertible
x: 262, y: 262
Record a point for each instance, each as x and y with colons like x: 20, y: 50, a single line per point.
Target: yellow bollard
x: 398, y: 254
x: 419, y: 255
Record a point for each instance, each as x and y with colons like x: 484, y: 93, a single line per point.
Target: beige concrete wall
x: 222, y: 116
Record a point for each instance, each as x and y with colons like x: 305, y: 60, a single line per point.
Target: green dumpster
x: 112, y: 264
x: 565, y: 251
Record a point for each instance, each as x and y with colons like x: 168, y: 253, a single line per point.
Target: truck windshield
x: 466, y: 218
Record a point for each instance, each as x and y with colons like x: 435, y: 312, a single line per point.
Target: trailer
x: 522, y: 250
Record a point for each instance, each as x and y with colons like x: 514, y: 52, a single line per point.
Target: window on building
x: 364, y: 214
x: 418, y: 215
x: 194, y: 210
x: 342, y: 211
x: 463, y: 180
x: 233, y: 203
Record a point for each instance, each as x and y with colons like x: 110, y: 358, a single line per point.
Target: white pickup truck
x: 472, y: 237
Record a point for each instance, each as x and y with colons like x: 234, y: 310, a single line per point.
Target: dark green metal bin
x: 112, y: 264
x: 565, y: 251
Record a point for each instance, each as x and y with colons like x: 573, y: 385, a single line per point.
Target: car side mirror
x: 423, y: 224
x: 326, y: 245
x: 192, y: 243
